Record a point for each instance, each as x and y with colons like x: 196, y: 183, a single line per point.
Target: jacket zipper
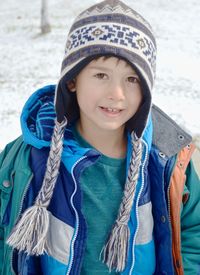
x: 137, y: 214
x: 76, y: 214
x: 168, y: 195
x: 20, y: 210
x: 168, y: 203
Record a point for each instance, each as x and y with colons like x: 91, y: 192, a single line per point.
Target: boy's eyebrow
x: 99, y: 68
x: 107, y: 69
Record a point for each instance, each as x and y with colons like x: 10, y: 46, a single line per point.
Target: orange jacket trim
x: 177, y: 183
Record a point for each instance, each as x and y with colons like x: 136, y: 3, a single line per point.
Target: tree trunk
x: 45, y: 25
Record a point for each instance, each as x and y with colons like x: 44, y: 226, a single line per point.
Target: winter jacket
x: 169, y: 189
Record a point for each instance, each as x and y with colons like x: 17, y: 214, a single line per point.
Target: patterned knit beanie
x: 109, y: 28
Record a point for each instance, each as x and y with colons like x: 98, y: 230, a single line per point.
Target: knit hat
x: 109, y: 28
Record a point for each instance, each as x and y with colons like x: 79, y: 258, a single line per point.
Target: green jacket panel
x: 190, y: 221
x: 15, y: 174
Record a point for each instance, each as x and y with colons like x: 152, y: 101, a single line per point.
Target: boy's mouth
x: 111, y: 110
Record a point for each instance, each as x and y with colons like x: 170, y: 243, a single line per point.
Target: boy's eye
x: 133, y: 79
x: 101, y: 76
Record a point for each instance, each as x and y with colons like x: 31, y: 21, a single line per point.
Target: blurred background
x: 31, y: 55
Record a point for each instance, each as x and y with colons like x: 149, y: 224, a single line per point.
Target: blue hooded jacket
x: 150, y: 241
x: 37, y: 122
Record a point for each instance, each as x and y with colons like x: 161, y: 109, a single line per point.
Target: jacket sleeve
x: 1, y: 247
x: 3, y: 162
x: 190, y: 218
x: 2, y: 157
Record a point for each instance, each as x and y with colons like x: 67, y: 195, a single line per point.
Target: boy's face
x: 108, y: 93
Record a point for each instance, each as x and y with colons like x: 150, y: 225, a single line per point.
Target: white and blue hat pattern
x: 111, y: 27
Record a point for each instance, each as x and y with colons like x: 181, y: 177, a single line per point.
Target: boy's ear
x: 71, y: 85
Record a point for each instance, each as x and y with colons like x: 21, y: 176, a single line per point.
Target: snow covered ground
x: 30, y: 60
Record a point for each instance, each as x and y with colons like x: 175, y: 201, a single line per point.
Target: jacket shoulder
x: 12, y: 150
x: 10, y: 147
x: 168, y: 136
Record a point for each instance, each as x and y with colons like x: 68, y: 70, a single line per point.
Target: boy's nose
x: 116, y: 92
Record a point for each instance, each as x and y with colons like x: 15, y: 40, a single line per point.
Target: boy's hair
x: 109, y: 28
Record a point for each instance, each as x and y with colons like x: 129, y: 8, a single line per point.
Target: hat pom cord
x: 114, y: 253
x: 116, y: 249
x: 30, y: 233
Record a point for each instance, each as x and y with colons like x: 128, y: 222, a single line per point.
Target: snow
x: 30, y: 60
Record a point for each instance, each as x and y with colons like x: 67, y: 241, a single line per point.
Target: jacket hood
x: 37, y: 117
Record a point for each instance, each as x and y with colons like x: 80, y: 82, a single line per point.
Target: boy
x: 118, y: 192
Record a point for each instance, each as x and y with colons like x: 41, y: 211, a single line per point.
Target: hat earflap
x: 116, y: 249
x: 29, y: 234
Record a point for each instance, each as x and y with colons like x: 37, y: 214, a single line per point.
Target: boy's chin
x: 112, y: 127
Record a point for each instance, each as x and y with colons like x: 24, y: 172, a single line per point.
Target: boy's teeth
x: 111, y: 110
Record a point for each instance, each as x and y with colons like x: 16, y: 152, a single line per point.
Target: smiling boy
x: 113, y: 93
x: 101, y: 181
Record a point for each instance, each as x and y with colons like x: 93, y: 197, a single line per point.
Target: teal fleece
x: 190, y: 223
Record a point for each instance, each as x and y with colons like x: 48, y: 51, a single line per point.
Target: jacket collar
x: 168, y: 136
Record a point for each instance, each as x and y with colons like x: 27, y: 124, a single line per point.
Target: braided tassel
x: 116, y: 249
x: 30, y: 232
